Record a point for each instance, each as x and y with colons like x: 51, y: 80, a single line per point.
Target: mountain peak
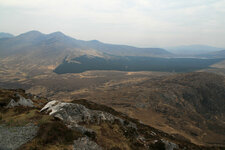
x: 58, y: 33
x: 31, y: 33
x: 94, y: 41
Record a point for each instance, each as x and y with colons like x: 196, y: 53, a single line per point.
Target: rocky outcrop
x: 21, y: 102
x: 13, y: 137
x: 73, y: 114
x: 85, y: 144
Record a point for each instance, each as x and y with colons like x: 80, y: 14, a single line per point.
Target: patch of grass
x: 7, y: 95
x: 20, y: 116
x: 42, y: 119
x: 56, y: 132
x: 13, y: 118
x: 158, y: 145
x: 110, y: 136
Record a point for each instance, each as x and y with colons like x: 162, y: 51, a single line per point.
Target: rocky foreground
x: 32, y: 122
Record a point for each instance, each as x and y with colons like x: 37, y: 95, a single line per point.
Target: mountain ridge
x: 41, y: 53
x: 94, y: 44
x: 193, y: 50
x: 5, y: 35
x: 216, y: 54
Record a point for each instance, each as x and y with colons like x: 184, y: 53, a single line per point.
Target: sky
x: 143, y: 23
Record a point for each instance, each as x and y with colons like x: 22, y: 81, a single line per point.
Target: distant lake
x: 132, y: 63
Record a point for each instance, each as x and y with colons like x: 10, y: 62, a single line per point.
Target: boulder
x: 75, y: 113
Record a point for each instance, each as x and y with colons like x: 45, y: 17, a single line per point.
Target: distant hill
x: 5, y: 35
x: 59, y: 42
x: 125, y: 50
x: 191, y: 50
x: 35, y: 52
x: 41, y: 44
x: 217, y: 54
x: 40, y: 52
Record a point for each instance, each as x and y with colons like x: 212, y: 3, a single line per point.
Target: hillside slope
x: 190, y: 104
x: 32, y: 122
x: 34, y: 53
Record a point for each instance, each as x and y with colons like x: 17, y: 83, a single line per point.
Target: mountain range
x: 34, y: 40
x: 46, y: 52
x: 5, y: 35
x: 217, y: 54
x: 58, y: 41
x: 193, y: 50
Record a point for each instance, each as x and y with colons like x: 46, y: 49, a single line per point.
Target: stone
x: 75, y: 113
x: 169, y: 145
x: 85, y: 143
x: 21, y: 102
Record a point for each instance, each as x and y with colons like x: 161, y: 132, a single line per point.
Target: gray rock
x: 169, y: 145
x: 85, y: 144
x: 72, y: 114
x: 153, y: 133
x: 13, y: 137
x: 21, y: 102
x: 12, y: 104
x: 75, y: 113
x: 81, y: 129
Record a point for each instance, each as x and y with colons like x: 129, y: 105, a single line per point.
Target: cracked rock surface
x: 12, y: 138
x: 73, y: 114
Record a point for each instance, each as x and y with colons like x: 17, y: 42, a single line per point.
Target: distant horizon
x: 115, y: 43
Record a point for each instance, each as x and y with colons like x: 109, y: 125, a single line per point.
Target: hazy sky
x: 142, y: 23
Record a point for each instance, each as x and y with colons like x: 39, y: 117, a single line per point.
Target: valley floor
x: 142, y: 95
